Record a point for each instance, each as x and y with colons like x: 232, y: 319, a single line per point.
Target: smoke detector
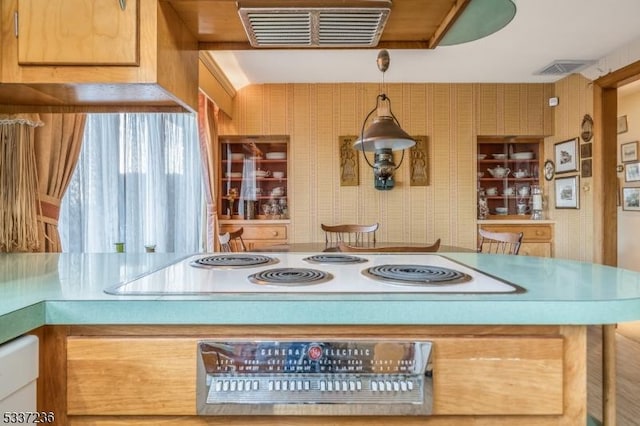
x: 357, y: 24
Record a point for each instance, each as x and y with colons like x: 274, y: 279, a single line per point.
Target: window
x: 138, y: 180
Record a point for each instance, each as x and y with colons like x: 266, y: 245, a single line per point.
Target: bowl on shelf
x: 261, y: 173
x: 277, y: 192
x: 233, y: 174
x: 499, y: 156
x: 482, y: 156
x: 276, y: 155
x: 278, y: 175
x: 502, y: 210
x: 236, y: 156
x: 522, y: 155
x: 480, y: 174
x: 492, y: 191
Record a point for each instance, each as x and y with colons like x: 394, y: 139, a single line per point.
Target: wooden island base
x: 146, y: 375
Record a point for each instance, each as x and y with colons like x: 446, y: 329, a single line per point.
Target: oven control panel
x: 315, y: 378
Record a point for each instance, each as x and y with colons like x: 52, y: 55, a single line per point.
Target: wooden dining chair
x: 232, y: 241
x: 393, y: 249
x: 357, y: 235
x: 499, y: 242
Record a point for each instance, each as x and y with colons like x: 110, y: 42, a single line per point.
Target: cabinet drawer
x: 259, y: 232
x: 530, y: 232
x: 535, y: 249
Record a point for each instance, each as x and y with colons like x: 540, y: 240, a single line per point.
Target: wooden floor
x: 627, y: 376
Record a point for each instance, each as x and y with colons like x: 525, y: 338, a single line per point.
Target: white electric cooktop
x: 314, y: 273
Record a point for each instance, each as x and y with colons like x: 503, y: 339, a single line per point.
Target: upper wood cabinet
x: 507, y: 169
x: 77, y: 32
x: 90, y: 55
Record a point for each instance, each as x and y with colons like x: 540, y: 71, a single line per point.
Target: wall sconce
x: 383, y: 136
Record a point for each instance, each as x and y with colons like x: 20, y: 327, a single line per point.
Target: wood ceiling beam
x: 449, y: 20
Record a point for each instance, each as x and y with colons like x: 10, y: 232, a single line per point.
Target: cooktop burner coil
x: 340, y: 259
x: 234, y: 260
x: 417, y: 275
x: 290, y: 277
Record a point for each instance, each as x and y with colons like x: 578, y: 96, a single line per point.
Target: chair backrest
x: 499, y: 242
x: 357, y: 235
x: 232, y: 241
x: 394, y: 249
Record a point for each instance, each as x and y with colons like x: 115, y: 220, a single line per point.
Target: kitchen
x: 448, y: 207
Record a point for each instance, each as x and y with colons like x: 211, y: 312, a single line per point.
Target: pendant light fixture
x: 383, y: 136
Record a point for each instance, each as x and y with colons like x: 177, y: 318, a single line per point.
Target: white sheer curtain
x: 138, y: 181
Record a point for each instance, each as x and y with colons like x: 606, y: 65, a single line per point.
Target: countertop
x: 38, y: 289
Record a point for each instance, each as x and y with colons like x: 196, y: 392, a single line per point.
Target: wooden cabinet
x: 507, y: 169
x: 265, y: 233
x: 254, y: 187
x: 90, y: 55
x: 77, y: 32
x: 139, y: 375
x: 537, y: 237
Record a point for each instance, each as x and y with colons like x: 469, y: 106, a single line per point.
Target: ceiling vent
x: 315, y: 26
x: 561, y: 67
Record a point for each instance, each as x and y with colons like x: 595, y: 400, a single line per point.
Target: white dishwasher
x: 18, y: 374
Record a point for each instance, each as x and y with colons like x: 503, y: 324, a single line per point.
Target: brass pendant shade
x: 383, y: 136
x: 384, y: 133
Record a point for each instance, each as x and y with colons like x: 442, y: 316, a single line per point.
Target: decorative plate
x: 549, y: 170
x: 587, y: 128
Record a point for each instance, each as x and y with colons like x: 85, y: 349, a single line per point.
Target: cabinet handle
x: 15, y: 24
x: 123, y: 4
x: 275, y: 233
x: 538, y: 232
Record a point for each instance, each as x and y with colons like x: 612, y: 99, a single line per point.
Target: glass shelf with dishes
x: 254, y: 177
x: 507, y: 169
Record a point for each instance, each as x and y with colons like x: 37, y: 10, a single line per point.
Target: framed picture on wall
x: 631, y: 199
x: 585, y: 150
x: 622, y: 124
x: 632, y: 172
x: 585, y: 168
x: 629, y: 152
x: 566, y: 154
x: 567, y: 195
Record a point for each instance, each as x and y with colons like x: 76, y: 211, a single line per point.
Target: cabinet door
x: 254, y: 169
x: 77, y: 32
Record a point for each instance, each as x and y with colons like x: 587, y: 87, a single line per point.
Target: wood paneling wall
x: 575, y: 235
x: 450, y: 115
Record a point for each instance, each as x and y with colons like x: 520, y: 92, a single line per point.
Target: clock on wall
x: 587, y: 128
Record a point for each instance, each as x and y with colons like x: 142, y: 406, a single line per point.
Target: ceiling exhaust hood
x: 314, y: 24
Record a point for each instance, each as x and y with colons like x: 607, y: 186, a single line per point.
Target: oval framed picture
x: 549, y: 170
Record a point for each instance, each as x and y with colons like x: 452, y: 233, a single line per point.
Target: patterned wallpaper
x: 450, y: 115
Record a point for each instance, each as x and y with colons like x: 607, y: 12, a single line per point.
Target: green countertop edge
x: 327, y: 312
x: 300, y: 312
x: 21, y: 321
